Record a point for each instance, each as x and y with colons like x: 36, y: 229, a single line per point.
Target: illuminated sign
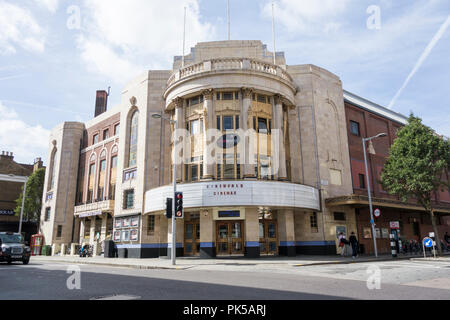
x: 229, y: 214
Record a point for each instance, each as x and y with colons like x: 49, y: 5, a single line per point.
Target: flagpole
x: 273, y: 34
x: 228, y: 19
x: 184, y: 38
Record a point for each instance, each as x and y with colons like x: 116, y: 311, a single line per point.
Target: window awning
x: 358, y: 200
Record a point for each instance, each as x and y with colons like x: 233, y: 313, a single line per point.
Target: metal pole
x: 273, y: 34
x: 23, y: 203
x: 372, y: 221
x: 184, y: 38
x: 174, y: 225
x: 228, y: 18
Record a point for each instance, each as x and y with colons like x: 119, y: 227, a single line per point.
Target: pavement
x: 184, y: 263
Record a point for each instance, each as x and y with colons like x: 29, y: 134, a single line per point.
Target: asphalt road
x: 397, y: 280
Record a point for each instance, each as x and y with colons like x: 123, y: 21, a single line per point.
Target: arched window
x: 132, y: 158
x: 51, y: 181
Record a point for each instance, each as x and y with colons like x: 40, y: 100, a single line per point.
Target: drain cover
x: 119, y: 297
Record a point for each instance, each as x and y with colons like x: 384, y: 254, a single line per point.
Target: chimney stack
x: 38, y: 164
x: 101, y: 102
x: 7, y: 155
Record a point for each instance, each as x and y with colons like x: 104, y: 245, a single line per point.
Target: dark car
x: 13, y: 249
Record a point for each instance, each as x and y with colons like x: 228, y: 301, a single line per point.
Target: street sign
x: 377, y: 213
x: 428, y: 242
x: 431, y: 234
x: 395, y: 225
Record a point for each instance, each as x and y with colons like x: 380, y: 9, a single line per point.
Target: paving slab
x: 184, y: 263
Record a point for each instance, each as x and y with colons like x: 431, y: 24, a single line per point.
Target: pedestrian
x: 342, y: 243
x: 447, y: 238
x: 354, y: 243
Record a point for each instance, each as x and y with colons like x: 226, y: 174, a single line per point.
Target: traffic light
x: 169, y: 208
x: 179, y: 213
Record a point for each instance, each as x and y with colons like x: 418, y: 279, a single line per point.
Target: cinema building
x: 260, y: 148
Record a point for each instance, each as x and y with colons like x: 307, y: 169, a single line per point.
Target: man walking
x: 354, y: 242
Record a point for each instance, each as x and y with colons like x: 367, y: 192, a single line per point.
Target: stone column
x: 249, y: 169
x: 92, y: 232
x: 207, y: 235
x: 76, y: 231
x: 179, y: 117
x: 163, y: 236
x: 103, y: 233
x: 82, y: 229
x: 286, y: 233
x: 251, y: 233
x: 179, y: 238
x: 278, y: 125
x: 208, y: 122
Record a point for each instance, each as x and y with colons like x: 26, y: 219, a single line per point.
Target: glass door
x: 192, y: 238
x: 236, y: 238
x: 268, y: 237
x: 230, y: 239
x: 222, y: 238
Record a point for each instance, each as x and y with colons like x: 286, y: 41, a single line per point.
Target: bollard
x: 72, y: 249
x: 393, y: 246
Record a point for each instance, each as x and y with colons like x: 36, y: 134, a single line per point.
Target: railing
x: 106, y: 205
x: 229, y: 64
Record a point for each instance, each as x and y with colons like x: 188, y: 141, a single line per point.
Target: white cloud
x: 334, y: 41
x: 25, y: 141
x: 307, y: 15
x: 19, y: 28
x: 101, y: 58
x: 121, y: 39
x: 51, y: 5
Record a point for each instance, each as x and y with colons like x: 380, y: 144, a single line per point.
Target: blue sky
x: 51, y: 62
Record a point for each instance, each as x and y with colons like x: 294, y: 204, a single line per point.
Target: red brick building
x: 366, y: 119
x: 10, y: 192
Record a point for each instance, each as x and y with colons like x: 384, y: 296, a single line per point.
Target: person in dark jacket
x: 354, y: 243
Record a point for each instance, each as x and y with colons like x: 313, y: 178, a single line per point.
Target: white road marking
x: 119, y: 297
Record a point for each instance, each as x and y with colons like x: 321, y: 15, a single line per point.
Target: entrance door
x: 230, y: 239
x: 268, y: 238
x: 192, y: 238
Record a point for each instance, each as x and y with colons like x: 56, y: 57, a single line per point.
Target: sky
x: 55, y: 54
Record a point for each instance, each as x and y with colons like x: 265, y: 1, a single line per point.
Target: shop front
x: 233, y: 218
x: 407, y: 221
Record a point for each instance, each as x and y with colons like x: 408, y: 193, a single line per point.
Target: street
x: 405, y: 279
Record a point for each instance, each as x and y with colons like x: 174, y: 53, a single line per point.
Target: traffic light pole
x: 174, y: 223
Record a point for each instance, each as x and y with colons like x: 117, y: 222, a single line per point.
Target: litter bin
x: 362, y: 249
x: 109, y: 249
x: 47, y: 251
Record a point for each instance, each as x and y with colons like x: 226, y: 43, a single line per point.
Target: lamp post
x: 174, y: 225
x: 372, y: 221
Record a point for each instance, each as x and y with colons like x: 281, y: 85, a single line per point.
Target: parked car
x: 12, y: 248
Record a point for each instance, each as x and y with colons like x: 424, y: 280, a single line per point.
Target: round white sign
x: 377, y: 213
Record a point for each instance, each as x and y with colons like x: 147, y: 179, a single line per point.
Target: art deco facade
x: 262, y: 146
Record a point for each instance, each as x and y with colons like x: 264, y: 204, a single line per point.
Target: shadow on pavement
x: 34, y: 283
